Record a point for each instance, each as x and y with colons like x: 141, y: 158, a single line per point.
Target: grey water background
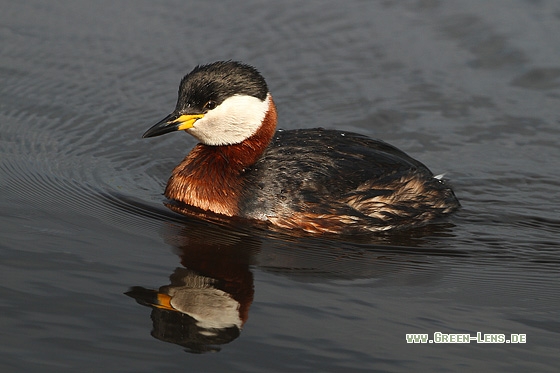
x: 470, y: 88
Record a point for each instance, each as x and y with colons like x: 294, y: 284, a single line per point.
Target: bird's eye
x: 210, y: 105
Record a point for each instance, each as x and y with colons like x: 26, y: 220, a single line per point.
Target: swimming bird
x: 313, y: 180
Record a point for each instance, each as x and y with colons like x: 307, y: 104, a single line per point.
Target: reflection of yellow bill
x: 164, y: 302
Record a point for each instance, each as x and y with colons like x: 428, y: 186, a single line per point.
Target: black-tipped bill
x: 172, y: 122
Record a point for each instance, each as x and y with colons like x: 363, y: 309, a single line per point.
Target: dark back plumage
x: 347, y: 181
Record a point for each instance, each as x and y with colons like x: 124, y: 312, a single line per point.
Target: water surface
x: 471, y: 89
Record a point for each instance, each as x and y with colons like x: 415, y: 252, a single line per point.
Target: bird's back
x: 324, y: 180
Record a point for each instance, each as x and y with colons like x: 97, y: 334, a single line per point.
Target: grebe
x: 315, y: 180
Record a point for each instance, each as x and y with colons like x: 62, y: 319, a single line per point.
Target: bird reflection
x: 193, y: 311
x: 206, y: 304
x: 207, y: 301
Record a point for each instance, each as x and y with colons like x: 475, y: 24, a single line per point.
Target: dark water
x: 471, y: 89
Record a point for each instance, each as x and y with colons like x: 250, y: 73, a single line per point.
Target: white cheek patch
x: 234, y: 120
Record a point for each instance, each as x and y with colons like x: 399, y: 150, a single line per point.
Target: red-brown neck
x: 210, y: 176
